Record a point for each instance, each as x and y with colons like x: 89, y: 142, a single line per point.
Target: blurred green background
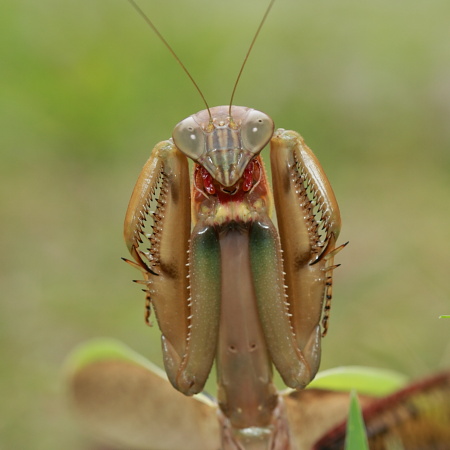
x: 87, y: 90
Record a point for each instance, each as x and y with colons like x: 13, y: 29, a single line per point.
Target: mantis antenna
x: 171, y: 50
x: 248, y: 53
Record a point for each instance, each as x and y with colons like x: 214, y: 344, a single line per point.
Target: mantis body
x: 225, y: 285
x: 245, y: 296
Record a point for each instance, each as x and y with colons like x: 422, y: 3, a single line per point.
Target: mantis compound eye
x: 256, y: 131
x: 189, y: 138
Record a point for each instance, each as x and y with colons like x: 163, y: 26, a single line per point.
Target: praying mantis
x: 226, y: 286
x: 229, y: 287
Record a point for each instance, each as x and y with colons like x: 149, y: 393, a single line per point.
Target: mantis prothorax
x: 226, y: 286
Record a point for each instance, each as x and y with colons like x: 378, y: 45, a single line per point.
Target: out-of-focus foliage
x: 364, y: 380
x: 86, y: 90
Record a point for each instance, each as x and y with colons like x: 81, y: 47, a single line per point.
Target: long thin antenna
x: 248, y: 53
x: 153, y: 27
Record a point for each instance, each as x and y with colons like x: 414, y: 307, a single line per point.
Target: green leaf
x: 446, y: 316
x: 365, y: 380
x: 356, y: 438
x: 106, y: 349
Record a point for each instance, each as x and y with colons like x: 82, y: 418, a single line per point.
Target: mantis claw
x: 309, y: 224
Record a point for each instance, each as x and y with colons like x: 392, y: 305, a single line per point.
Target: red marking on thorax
x: 248, y: 176
x: 236, y: 193
x: 208, y: 182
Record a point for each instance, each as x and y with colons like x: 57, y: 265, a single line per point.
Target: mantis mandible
x: 226, y: 286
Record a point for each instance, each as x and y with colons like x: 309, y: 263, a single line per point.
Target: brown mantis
x: 225, y: 285
x: 247, y: 296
